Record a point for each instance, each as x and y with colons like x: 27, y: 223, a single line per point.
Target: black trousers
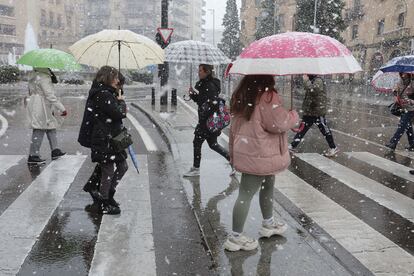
x: 322, y: 125
x: 201, y: 135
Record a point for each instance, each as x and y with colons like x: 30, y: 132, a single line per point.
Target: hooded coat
x: 101, y: 121
x: 43, y: 107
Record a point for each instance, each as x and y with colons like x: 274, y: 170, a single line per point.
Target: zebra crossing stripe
x: 22, y: 223
x: 382, y: 163
x: 386, y: 197
x: 8, y: 161
x: 125, y: 244
x: 373, y: 250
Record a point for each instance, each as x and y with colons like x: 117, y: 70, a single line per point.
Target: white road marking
x: 24, y: 220
x: 372, y: 249
x: 149, y: 143
x: 384, y: 164
x: 194, y: 111
x: 4, y: 125
x: 125, y: 244
x: 386, y: 197
x: 8, y: 161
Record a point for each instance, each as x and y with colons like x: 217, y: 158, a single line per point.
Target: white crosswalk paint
x: 22, y: 223
x: 391, y: 199
x: 384, y: 164
x: 376, y: 252
x: 8, y: 161
x: 125, y: 243
x: 149, y: 143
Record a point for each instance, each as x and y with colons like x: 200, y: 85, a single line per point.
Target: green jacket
x: 315, y: 100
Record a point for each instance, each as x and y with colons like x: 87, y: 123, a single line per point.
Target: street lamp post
x: 315, y: 29
x: 214, y: 25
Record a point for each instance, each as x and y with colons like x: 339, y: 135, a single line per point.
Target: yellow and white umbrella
x: 118, y: 48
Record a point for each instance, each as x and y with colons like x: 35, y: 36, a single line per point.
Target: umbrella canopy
x: 191, y: 51
x: 399, y: 64
x: 49, y: 58
x: 295, y: 53
x: 385, y: 82
x: 118, y: 48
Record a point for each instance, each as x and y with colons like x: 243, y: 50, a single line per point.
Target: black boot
x: 35, y: 160
x: 108, y: 209
x: 411, y: 171
x: 111, y: 199
x: 56, y: 153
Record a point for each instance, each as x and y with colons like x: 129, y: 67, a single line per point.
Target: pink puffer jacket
x: 260, y: 146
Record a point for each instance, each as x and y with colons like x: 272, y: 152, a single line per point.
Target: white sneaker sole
x: 191, y: 175
x: 231, y: 246
x: 267, y: 233
x: 331, y: 154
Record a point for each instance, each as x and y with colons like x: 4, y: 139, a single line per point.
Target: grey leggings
x: 248, y: 187
x: 111, y: 178
x: 37, y: 138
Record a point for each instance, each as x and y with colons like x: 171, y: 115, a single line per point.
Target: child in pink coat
x: 258, y: 149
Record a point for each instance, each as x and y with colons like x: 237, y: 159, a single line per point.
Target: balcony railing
x: 396, y: 34
x: 354, y: 13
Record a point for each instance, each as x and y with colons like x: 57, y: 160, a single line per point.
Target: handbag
x: 122, y: 141
x: 220, y: 119
x: 395, y: 109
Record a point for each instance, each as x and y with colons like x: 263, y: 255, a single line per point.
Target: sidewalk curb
x: 172, y: 146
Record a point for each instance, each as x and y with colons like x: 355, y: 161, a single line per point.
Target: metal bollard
x: 153, y: 96
x: 174, y: 97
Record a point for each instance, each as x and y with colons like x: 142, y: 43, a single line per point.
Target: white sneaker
x: 240, y: 243
x: 291, y: 149
x: 192, y: 172
x: 276, y: 228
x: 331, y: 152
x: 233, y: 171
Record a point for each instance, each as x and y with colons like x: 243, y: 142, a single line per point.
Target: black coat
x: 102, y: 120
x: 207, y: 100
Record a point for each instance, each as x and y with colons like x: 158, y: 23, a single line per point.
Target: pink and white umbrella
x: 385, y: 82
x: 295, y: 53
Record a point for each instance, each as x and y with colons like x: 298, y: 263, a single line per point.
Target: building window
x: 354, y: 31
x: 258, y: 2
x: 401, y: 20
x: 6, y: 29
x: 6, y: 11
x: 380, y: 29
x: 281, y: 20
x: 43, y: 20
x: 69, y: 20
x: 243, y: 24
x: 51, y: 18
x: 59, y: 21
x: 58, y: 2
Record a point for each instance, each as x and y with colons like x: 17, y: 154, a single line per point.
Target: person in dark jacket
x: 314, y: 110
x: 105, y: 109
x: 207, y: 99
x: 93, y: 184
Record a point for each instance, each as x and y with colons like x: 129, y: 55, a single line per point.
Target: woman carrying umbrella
x: 405, y: 97
x: 208, y: 89
x: 106, y: 108
x: 44, y: 110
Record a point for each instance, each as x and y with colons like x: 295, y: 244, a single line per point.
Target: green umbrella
x: 49, y: 58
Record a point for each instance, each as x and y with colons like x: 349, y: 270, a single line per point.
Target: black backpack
x: 88, y: 121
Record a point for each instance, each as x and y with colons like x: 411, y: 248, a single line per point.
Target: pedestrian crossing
x: 130, y: 234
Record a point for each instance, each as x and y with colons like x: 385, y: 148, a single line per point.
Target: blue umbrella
x: 399, y: 64
x: 133, y: 157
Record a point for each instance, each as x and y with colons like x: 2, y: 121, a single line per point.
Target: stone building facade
x: 378, y: 30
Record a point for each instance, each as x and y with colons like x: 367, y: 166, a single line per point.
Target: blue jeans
x: 404, y: 125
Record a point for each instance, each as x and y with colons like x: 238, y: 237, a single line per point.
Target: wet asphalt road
x: 66, y: 245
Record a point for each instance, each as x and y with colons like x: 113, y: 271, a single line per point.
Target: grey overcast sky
x: 219, y: 7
